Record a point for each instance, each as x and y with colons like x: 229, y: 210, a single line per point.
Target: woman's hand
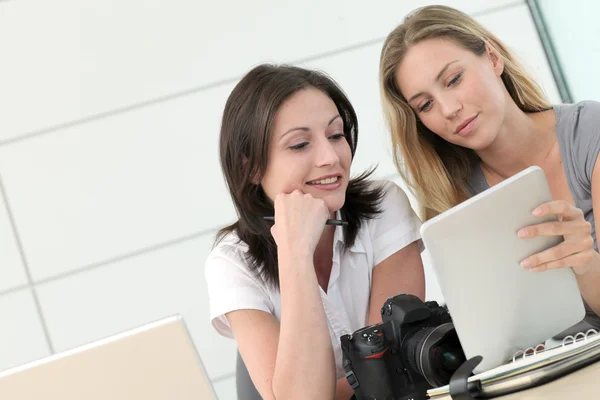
x: 577, y: 249
x: 299, y: 223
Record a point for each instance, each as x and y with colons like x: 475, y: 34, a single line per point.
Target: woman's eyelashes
x: 453, y: 82
x: 300, y: 146
x: 425, y: 106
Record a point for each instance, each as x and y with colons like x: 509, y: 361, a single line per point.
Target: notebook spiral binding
x: 567, y: 341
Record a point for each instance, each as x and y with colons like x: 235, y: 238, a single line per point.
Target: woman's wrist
x: 294, y: 255
x: 592, y: 268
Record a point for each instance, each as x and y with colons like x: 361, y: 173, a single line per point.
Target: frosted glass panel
x: 574, y: 31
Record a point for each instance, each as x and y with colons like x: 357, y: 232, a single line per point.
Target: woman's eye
x: 299, y: 146
x: 425, y: 106
x: 337, y: 136
x: 455, y: 80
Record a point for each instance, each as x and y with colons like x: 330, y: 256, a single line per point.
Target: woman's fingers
x: 557, y: 228
x: 558, y: 207
x: 578, y: 261
x: 555, y: 257
x: 575, y: 251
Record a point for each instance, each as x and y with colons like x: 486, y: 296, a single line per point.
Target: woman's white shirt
x: 232, y: 285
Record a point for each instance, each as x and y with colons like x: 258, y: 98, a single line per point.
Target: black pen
x: 328, y: 222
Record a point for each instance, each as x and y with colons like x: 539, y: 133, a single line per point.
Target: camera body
x: 414, y: 349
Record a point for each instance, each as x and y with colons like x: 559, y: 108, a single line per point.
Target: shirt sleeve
x: 232, y: 286
x: 396, y: 226
x: 587, y: 138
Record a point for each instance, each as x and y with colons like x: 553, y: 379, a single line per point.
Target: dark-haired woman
x: 286, y: 291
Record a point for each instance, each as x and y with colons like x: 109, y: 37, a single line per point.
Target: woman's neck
x: 523, y: 140
x: 323, y: 257
x: 325, y: 246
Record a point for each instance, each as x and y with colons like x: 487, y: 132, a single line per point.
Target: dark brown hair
x: 244, y: 144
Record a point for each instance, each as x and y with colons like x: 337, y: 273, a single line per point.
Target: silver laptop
x: 157, y: 361
x: 497, y: 306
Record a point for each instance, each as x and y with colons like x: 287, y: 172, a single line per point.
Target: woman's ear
x: 254, y: 174
x: 495, y: 58
x: 255, y: 180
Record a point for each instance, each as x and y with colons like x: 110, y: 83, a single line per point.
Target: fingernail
x: 525, y: 263
x: 522, y: 233
x: 537, y: 211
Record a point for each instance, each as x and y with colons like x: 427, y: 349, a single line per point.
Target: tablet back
x: 497, y: 306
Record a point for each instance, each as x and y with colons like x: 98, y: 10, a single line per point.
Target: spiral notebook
x: 533, y: 367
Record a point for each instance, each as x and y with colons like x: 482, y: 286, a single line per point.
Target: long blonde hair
x: 438, y: 171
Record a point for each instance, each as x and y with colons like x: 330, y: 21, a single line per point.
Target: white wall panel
x: 12, y: 271
x: 100, y: 302
x: 21, y: 334
x: 65, y: 60
x: 103, y: 189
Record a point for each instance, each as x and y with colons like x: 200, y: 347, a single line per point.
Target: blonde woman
x: 464, y: 115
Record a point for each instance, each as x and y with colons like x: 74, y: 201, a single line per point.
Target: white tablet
x: 497, y: 306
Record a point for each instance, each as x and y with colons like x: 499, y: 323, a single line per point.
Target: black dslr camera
x: 415, y: 348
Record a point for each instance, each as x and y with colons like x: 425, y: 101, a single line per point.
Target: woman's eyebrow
x: 306, y: 129
x: 437, y: 78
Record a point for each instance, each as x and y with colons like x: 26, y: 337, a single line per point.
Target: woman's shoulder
x: 228, y: 248
x: 583, y: 114
x: 397, y: 224
x: 578, y: 133
x: 578, y: 126
x: 583, y: 104
x: 589, y: 111
x: 395, y: 204
x: 391, y: 192
x: 228, y: 264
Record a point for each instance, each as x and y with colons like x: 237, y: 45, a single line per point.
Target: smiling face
x: 456, y: 93
x: 308, y: 150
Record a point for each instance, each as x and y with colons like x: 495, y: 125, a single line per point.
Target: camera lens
x: 435, y: 352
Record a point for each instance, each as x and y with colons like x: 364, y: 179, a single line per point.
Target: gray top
x: 578, y: 133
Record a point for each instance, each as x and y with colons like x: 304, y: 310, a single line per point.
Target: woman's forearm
x: 343, y: 391
x: 305, y: 365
